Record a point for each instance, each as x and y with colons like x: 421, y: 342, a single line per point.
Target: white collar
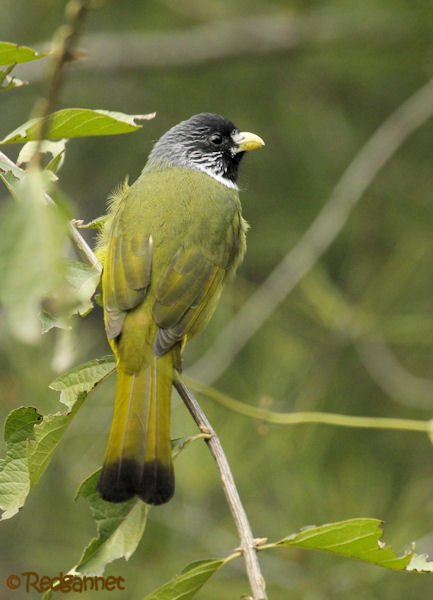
x: 227, y: 182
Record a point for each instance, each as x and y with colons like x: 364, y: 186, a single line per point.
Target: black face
x: 211, y: 144
x: 205, y: 141
x: 214, y: 133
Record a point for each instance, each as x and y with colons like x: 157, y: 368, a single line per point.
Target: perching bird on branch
x: 170, y: 243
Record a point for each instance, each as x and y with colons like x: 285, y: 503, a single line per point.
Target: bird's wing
x: 185, y: 297
x: 126, y: 277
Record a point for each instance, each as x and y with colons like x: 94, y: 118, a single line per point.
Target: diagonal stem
x: 248, y: 543
x: 347, y: 193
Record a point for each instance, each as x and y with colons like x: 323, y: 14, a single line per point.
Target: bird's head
x: 206, y: 142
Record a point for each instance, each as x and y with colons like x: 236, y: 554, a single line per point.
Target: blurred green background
x: 315, y: 80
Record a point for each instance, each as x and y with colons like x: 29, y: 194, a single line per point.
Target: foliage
x: 32, y: 233
x: 11, y: 54
x: 186, y: 584
x: 32, y: 438
x: 357, y: 538
x: 77, y: 122
x: 120, y: 528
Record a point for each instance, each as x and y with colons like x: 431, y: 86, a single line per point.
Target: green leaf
x: 32, y: 439
x: 49, y: 322
x: 119, y: 528
x: 13, y: 53
x: 74, y: 387
x: 77, y: 122
x: 84, y: 280
x: 32, y: 268
x: 46, y: 438
x: 354, y: 538
x: 55, y: 149
x: 83, y: 379
x: 14, y: 472
x: 37, y: 276
x: 189, y: 582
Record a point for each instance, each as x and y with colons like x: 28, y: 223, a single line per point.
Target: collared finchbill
x: 158, y: 295
x: 247, y: 141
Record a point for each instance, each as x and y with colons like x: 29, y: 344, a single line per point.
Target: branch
x: 248, y: 544
x: 83, y: 248
x: 63, y: 52
x: 64, y: 42
x: 349, y: 190
x: 224, y: 39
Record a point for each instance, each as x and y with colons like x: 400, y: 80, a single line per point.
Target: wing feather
x: 126, y: 277
x: 184, y: 293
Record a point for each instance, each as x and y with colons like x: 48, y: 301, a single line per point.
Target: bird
x: 169, y: 243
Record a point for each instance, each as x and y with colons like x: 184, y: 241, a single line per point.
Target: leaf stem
x: 248, y: 543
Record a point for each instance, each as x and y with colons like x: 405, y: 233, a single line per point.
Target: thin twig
x: 65, y: 40
x: 248, y: 544
x: 83, y: 247
x: 311, y: 417
x: 349, y: 190
x: 80, y: 243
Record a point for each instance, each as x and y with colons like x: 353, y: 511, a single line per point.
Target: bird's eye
x: 216, y: 139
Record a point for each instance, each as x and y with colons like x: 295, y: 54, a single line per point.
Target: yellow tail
x: 138, y: 455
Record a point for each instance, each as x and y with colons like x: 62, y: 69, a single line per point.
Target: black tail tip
x: 157, y: 483
x: 153, y: 481
x: 118, y: 481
